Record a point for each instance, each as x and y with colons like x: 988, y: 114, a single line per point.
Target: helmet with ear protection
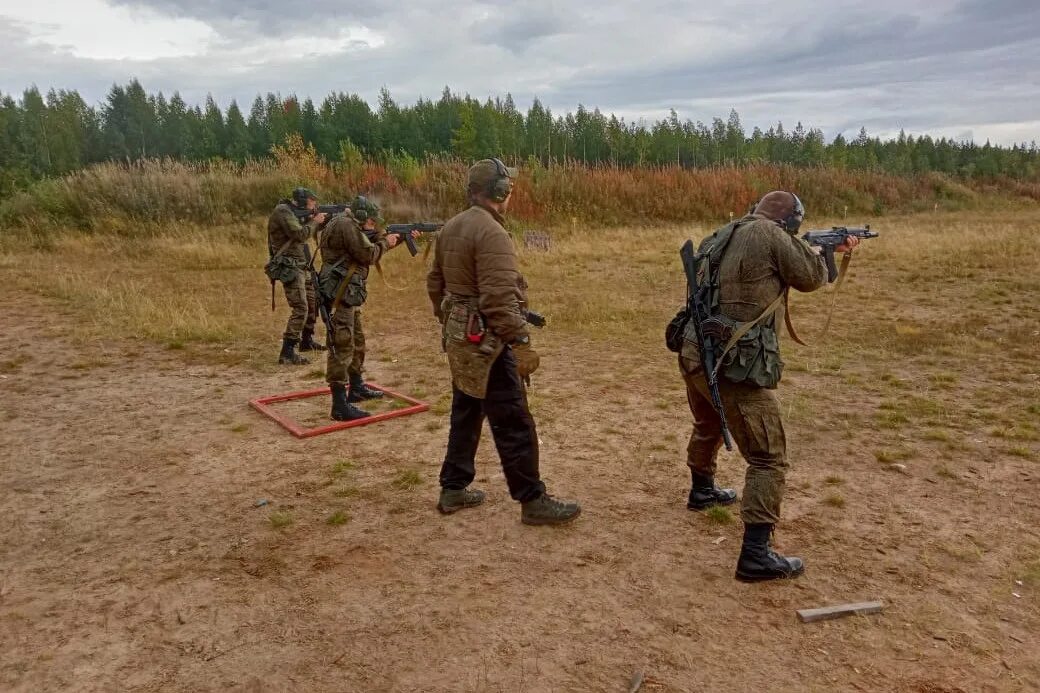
x: 364, y: 209
x: 301, y: 195
x: 784, y: 208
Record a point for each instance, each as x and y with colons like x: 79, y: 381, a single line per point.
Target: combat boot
x: 342, y: 410
x: 453, y: 500
x: 546, y: 510
x: 758, y: 562
x: 704, y: 493
x: 359, y: 391
x: 308, y: 343
x: 289, y: 357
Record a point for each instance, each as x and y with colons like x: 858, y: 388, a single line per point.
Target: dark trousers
x: 505, y: 406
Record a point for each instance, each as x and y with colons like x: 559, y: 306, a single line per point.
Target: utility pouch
x: 355, y: 292
x: 673, y: 333
x: 754, y: 359
x: 282, y: 269
x: 456, y: 323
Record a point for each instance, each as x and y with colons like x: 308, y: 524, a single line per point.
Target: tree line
x: 50, y: 135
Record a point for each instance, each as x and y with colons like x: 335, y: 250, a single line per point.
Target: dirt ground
x: 137, y: 554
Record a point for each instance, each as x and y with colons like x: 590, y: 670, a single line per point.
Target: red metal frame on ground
x: 262, y: 406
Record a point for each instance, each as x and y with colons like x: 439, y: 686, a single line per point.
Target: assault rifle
x: 305, y: 215
x: 404, y: 232
x: 698, y: 312
x: 829, y: 240
x: 323, y: 305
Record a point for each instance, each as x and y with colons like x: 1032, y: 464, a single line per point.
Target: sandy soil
x: 135, y: 556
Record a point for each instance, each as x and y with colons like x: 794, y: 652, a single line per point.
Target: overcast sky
x: 960, y: 68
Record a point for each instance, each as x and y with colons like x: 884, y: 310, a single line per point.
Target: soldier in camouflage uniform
x: 286, y: 236
x: 762, y: 260
x: 477, y: 293
x: 350, y: 244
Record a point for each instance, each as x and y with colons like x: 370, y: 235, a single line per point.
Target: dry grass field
x: 136, y: 557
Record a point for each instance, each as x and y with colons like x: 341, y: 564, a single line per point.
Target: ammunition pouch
x: 470, y: 355
x: 282, y: 269
x: 331, y: 280
x: 754, y: 359
x: 673, y: 333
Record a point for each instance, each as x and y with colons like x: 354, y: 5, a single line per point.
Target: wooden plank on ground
x: 828, y: 612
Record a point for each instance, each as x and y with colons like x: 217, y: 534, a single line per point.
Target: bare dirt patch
x: 138, y: 555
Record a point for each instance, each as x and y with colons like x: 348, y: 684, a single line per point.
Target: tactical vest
x: 748, y: 352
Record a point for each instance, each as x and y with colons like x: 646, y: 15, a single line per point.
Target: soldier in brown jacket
x: 477, y: 293
x: 762, y: 260
x: 285, y: 239
x: 350, y: 244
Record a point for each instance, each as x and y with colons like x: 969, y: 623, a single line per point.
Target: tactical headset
x: 301, y: 195
x: 359, y: 208
x: 793, y: 220
x: 499, y: 188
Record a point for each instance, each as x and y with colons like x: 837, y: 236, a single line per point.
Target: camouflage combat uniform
x: 760, y: 263
x: 345, y: 244
x: 283, y: 227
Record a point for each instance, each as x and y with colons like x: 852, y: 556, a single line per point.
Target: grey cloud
x: 270, y: 12
x: 898, y: 64
x: 519, y: 31
x: 907, y: 71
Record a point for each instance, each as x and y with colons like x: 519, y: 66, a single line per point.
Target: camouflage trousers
x: 304, y: 306
x: 754, y: 421
x: 349, y: 340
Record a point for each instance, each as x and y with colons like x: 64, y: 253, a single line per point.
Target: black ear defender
x: 360, y: 208
x: 499, y: 189
x: 793, y: 220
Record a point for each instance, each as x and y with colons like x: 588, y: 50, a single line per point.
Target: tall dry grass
x: 130, y: 199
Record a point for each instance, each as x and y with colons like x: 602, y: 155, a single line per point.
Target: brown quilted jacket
x: 474, y: 258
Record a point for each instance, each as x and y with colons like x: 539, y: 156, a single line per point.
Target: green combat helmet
x: 301, y: 195
x: 364, y: 209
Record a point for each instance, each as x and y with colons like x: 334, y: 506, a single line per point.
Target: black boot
x: 289, y: 356
x: 359, y: 391
x: 758, y: 562
x: 308, y: 342
x: 704, y: 493
x: 342, y: 410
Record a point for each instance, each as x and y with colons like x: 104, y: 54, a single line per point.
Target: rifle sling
x: 278, y: 253
x: 351, y: 271
x: 745, y: 328
x: 787, y: 318
x: 846, y: 260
